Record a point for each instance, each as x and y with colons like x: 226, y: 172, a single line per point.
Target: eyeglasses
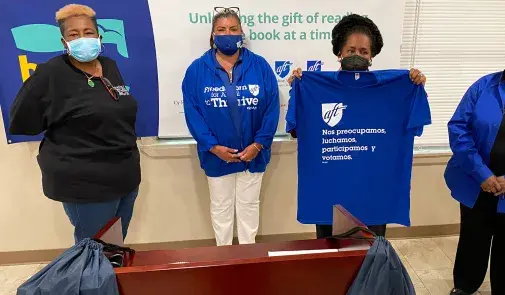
x: 235, y: 10
x: 108, y: 85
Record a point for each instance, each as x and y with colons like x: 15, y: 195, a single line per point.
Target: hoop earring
x: 213, y: 42
x: 65, y: 49
x: 244, y: 38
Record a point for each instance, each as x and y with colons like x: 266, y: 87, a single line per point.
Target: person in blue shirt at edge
x: 232, y: 108
x: 356, y: 41
x: 475, y: 177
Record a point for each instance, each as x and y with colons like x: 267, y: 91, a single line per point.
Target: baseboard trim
x: 428, y: 231
x: 44, y: 256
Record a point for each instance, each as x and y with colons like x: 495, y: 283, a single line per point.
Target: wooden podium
x: 325, y: 266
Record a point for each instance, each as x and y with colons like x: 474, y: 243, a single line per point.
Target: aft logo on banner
x: 314, y: 65
x: 332, y: 113
x: 283, y: 68
x: 31, y: 36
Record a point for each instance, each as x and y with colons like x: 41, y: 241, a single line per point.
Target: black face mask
x: 355, y: 63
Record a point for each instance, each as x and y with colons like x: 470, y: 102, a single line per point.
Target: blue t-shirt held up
x: 355, y: 143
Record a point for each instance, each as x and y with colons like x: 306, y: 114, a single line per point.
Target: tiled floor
x: 429, y: 262
x: 13, y: 276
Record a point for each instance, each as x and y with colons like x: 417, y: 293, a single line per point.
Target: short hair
x: 71, y: 10
x: 223, y: 14
x: 354, y: 23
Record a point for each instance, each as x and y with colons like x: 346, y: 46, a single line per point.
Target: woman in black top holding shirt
x: 356, y: 41
x: 88, y: 157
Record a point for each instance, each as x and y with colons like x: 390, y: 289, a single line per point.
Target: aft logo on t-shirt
x: 332, y: 113
x: 254, y: 89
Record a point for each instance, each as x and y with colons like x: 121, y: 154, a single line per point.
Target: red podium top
x: 249, y: 269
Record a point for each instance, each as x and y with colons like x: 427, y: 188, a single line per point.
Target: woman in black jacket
x: 356, y: 41
x: 88, y: 156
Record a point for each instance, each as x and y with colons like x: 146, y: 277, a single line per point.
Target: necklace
x: 90, y: 78
x: 228, y: 64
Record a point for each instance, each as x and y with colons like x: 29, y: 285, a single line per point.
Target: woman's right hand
x: 491, y: 185
x: 501, y: 181
x: 296, y: 74
x: 226, y: 154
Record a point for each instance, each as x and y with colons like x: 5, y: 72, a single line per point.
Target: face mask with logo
x: 84, y: 49
x: 228, y: 44
x: 355, y: 63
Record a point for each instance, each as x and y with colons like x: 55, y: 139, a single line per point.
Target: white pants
x: 240, y: 191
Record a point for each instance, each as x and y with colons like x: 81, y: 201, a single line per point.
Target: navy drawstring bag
x: 382, y: 272
x: 81, y: 270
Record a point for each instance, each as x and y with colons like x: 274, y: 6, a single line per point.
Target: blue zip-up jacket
x: 472, y: 132
x: 233, y: 113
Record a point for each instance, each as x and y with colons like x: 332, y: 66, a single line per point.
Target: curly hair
x: 354, y: 23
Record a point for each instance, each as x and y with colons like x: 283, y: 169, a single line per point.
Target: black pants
x: 482, y: 231
x: 324, y: 230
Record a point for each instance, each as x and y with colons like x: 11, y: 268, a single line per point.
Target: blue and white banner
x: 30, y: 35
x: 154, y: 41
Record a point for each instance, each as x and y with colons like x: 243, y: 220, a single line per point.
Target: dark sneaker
x: 458, y: 292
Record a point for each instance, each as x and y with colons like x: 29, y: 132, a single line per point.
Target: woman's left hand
x: 250, y: 152
x: 417, y: 77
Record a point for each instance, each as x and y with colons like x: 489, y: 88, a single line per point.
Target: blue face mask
x: 228, y: 44
x: 84, y: 49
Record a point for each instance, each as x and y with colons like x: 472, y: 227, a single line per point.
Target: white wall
x: 173, y: 202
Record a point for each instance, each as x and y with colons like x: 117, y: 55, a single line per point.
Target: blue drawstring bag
x: 81, y: 270
x: 382, y: 273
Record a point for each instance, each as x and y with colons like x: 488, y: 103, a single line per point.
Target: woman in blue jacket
x: 231, y: 104
x: 474, y: 175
